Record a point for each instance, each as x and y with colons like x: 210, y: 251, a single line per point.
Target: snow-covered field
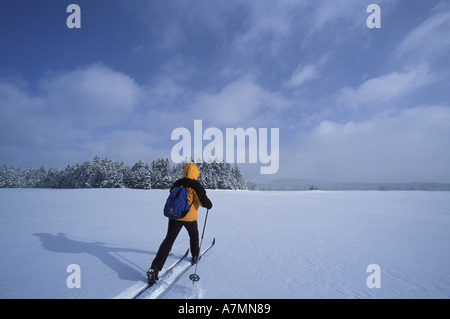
x: 311, y: 244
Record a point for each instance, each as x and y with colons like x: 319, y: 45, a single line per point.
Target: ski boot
x: 195, y: 259
x: 152, y: 276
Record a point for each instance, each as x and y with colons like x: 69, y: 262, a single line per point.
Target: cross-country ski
x: 170, y: 277
x: 166, y: 273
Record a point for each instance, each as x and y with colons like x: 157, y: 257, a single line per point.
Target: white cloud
x: 269, y: 23
x: 240, y: 103
x: 387, y: 87
x: 301, y: 75
x: 430, y: 39
x: 71, y: 111
x: 410, y: 146
x: 98, y: 111
x: 94, y: 96
x: 126, y: 145
x: 326, y: 12
x: 306, y: 72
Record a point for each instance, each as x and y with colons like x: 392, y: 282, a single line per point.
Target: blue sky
x: 351, y: 103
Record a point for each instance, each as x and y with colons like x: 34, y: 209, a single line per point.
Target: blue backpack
x: 177, y: 205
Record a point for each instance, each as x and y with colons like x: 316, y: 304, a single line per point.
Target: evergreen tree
x: 13, y: 178
x: 109, y: 174
x: 140, y: 176
x: 51, y: 179
x: 162, y: 174
x: 206, y: 177
x: 177, y: 172
x: 238, y: 181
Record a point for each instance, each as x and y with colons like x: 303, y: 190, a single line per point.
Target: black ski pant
x: 172, y: 233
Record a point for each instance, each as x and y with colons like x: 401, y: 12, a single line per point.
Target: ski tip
x: 214, y: 241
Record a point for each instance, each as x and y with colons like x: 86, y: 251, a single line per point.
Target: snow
x: 310, y: 244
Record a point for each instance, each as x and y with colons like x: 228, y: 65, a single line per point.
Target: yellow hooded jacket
x: 196, y: 192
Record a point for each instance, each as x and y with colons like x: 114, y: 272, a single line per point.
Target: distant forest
x: 105, y: 173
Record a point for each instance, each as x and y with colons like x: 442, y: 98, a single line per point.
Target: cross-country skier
x: 197, y: 196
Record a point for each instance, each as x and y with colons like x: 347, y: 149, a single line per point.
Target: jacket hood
x: 191, y: 171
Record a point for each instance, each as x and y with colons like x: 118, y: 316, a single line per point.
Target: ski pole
x: 194, y: 277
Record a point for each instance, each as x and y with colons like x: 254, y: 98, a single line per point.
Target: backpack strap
x: 198, y: 189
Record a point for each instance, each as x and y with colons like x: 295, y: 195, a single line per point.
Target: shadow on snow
x: 107, y: 253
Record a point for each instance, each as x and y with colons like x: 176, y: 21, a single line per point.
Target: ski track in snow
x: 308, y: 244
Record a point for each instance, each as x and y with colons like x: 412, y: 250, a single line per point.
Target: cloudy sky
x: 351, y: 103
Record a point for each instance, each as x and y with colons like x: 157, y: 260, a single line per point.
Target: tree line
x: 105, y: 173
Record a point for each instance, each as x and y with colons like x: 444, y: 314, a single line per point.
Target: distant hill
x: 292, y: 184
